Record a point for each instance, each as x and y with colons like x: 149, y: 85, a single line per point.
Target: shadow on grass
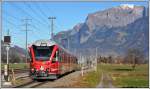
x: 122, y: 69
x: 134, y: 87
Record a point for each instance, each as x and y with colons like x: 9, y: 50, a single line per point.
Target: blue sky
x: 67, y: 14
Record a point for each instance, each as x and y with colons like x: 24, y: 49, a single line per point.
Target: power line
x: 35, y: 12
x: 41, y: 10
x: 59, y: 25
x: 43, y: 13
x: 12, y: 24
x: 37, y: 29
x: 17, y: 26
x: 21, y: 9
x: 15, y: 19
x: 12, y: 16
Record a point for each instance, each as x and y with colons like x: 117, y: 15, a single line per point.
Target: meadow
x: 122, y: 76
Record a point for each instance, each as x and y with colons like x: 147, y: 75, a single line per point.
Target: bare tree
x: 134, y: 56
x: 110, y: 59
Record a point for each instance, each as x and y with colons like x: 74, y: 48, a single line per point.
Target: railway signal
x: 7, y: 41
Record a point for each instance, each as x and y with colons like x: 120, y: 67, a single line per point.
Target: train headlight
x: 41, y: 68
x: 32, y: 69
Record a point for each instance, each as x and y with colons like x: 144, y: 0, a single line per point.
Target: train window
x: 54, y: 59
x: 42, y: 52
x: 59, y: 56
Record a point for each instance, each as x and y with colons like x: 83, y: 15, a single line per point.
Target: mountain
x: 16, y: 53
x: 113, y: 31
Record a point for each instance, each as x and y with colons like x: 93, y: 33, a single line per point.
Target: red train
x: 49, y: 60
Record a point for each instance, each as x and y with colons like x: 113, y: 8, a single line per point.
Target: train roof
x: 44, y: 43
x: 48, y: 43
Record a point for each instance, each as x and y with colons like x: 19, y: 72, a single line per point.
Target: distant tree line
x: 133, y: 57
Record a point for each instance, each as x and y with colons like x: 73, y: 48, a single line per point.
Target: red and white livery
x: 49, y: 60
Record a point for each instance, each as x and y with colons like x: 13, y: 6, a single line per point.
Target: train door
x: 55, y: 63
x: 60, y: 60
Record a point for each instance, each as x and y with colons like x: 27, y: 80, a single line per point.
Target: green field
x: 122, y: 76
x: 89, y: 79
x: 16, y: 66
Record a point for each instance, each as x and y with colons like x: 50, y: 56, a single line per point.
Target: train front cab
x: 44, y: 62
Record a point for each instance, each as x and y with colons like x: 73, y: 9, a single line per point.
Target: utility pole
x: 68, y: 44
x: 26, y: 24
x: 96, y: 60
x: 52, y: 25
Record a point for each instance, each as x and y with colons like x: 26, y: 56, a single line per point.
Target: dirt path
x: 106, y: 81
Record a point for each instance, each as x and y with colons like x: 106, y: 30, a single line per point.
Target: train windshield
x: 43, y: 53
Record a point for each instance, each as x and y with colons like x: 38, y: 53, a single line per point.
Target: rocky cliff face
x: 114, y: 17
x: 112, y: 31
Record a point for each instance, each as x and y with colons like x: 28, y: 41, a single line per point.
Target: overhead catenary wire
x: 28, y: 15
x: 41, y: 10
x: 36, y: 28
x: 21, y: 34
x: 22, y: 10
x: 34, y: 19
x: 12, y: 24
x: 52, y: 22
x: 36, y: 13
x: 18, y: 33
x: 38, y: 33
x: 57, y: 23
x: 57, y: 26
x: 10, y: 15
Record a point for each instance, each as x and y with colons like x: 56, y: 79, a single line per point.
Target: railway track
x: 66, y: 80
x: 32, y: 84
x: 17, y: 71
x: 38, y: 83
